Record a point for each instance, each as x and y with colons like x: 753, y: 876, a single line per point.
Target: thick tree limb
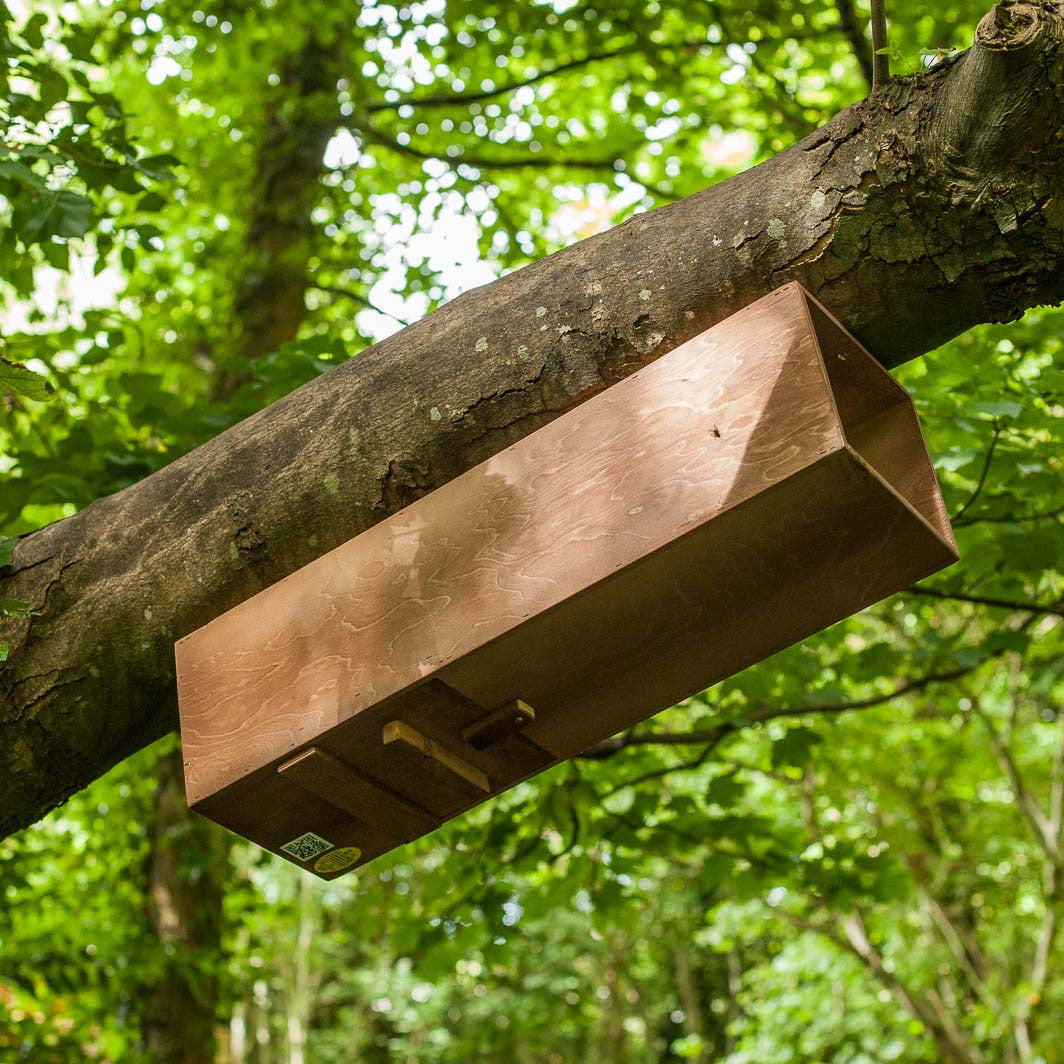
x: 934, y: 208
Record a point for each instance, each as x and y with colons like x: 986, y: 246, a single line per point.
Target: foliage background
x: 851, y: 852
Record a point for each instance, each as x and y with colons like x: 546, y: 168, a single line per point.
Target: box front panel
x: 816, y: 548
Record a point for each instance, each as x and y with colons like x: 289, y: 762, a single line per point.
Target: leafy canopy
x: 818, y: 867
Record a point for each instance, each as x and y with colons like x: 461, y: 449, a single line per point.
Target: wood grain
x: 758, y: 483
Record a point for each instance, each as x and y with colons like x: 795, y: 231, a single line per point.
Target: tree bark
x: 932, y: 207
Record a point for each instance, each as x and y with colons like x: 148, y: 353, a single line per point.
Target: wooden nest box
x: 760, y: 482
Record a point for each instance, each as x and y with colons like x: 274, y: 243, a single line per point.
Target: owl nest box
x: 758, y: 483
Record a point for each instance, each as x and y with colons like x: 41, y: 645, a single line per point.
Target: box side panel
x: 720, y: 419
x: 879, y: 420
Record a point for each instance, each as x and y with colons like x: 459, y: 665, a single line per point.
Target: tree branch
x: 1036, y: 818
x: 1018, y: 605
x: 1051, y: 886
x: 656, y: 774
x: 376, y: 136
x: 781, y: 98
x: 713, y: 736
x: 356, y: 297
x: 1008, y: 519
x: 851, y: 936
x: 982, y: 475
x: 880, y: 58
x: 959, y: 950
x: 459, y: 99
x: 254, y: 504
x: 853, y: 31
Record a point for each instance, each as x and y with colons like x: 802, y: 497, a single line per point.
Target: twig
x: 1036, y: 818
x: 713, y: 736
x: 880, y: 58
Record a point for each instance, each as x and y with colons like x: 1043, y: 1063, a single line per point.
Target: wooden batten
x: 758, y: 483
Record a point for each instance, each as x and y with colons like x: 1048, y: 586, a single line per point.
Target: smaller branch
x: 682, y: 766
x: 608, y: 747
x: 713, y: 736
x: 853, y: 31
x: 793, y: 114
x: 918, y: 684
x: 851, y: 936
x: 356, y: 297
x: 985, y: 600
x: 982, y: 475
x: 1051, y: 885
x: 459, y: 99
x: 928, y: 1010
x: 957, y: 947
x: 1036, y: 818
x: 1056, y: 788
x: 375, y: 136
x: 1009, y: 519
x: 880, y: 59
x: 574, y: 838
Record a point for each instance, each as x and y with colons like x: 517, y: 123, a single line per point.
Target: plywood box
x: 760, y: 482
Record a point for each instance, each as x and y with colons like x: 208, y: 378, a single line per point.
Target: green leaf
x: 56, y: 254
x: 108, y: 104
x: 157, y: 167
x: 19, y: 173
x: 997, y: 408
x: 795, y: 748
x: 7, y: 549
x: 152, y: 201
x: 75, y: 215
x: 22, y: 381
x: 724, y: 791
x: 32, y: 32
x: 53, y: 86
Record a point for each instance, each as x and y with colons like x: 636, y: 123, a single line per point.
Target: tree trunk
x: 186, y: 872
x: 689, y: 995
x: 931, y: 207
x: 271, y: 306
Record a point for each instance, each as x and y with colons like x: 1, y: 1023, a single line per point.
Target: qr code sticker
x: 307, y: 846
